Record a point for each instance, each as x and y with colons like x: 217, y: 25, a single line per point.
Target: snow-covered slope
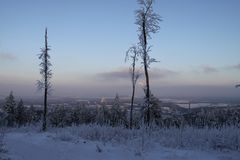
x: 40, y: 146
x: 46, y: 146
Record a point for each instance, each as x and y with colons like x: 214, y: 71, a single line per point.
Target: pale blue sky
x: 198, y: 45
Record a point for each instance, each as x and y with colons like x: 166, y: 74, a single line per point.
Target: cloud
x: 209, y: 69
x: 123, y: 73
x: 115, y: 74
x: 236, y: 66
x: 7, y: 56
x: 157, y: 73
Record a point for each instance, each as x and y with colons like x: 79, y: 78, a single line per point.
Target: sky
x: 197, y: 46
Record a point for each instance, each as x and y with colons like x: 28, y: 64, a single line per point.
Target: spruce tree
x: 20, y: 114
x: 9, y: 108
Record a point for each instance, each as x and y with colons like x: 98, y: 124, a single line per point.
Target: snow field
x: 94, y: 142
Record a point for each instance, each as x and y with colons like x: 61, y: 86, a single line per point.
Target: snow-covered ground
x: 59, y: 145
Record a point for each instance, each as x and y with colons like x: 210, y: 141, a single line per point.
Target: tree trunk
x: 147, y: 95
x: 131, y: 110
x: 44, y: 126
x: 146, y: 69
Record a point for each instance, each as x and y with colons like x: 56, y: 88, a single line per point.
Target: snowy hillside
x: 107, y: 143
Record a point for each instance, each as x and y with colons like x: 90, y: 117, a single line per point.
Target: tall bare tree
x: 133, y: 53
x: 148, y: 24
x: 46, y: 72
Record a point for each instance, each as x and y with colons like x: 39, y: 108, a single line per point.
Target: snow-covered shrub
x: 213, y: 117
x: 227, y: 138
x: 3, y: 118
x: 3, y: 150
x: 58, y: 116
x: 113, y: 115
x: 82, y: 115
x: 98, y: 133
x: 199, y: 138
x: 65, y: 136
x: 32, y: 116
x: 1, y: 142
x: 154, y: 110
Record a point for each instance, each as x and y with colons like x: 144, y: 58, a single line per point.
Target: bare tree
x: 46, y: 72
x: 148, y: 23
x: 133, y: 53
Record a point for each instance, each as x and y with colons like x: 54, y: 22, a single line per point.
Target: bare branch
x: 40, y: 85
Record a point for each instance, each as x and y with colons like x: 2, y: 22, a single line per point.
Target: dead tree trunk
x: 46, y: 73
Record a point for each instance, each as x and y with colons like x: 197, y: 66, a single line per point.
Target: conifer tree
x: 20, y: 114
x: 9, y: 108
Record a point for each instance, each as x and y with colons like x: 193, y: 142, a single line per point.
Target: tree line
x: 16, y: 114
